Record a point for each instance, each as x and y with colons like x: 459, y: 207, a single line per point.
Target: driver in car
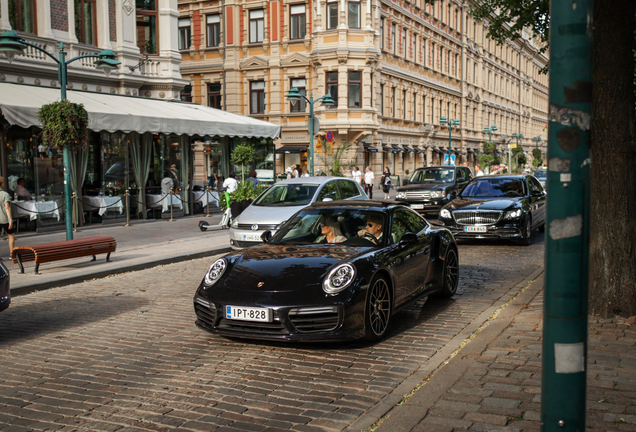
x: 373, y: 229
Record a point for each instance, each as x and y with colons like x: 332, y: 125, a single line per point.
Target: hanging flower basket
x: 64, y: 123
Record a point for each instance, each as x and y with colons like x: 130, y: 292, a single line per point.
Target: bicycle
x: 226, y: 219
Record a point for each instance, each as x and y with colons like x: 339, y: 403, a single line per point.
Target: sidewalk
x: 147, y: 243
x: 493, y: 383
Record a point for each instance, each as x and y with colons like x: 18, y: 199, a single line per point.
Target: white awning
x: 20, y: 105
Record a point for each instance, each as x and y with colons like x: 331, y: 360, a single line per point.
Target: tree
x: 243, y: 154
x: 335, y: 161
x: 612, y: 277
x: 536, y: 154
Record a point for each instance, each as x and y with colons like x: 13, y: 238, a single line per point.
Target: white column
x: 4, y: 15
x: 71, y: 22
x: 103, y: 24
x: 43, y: 18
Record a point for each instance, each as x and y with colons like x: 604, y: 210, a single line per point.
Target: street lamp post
x: 295, y: 95
x: 450, y: 123
x: 537, y: 140
x: 518, y: 136
x: 490, y: 130
x: 11, y: 45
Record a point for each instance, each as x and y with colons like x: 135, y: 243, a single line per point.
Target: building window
x: 257, y: 22
x: 414, y: 106
x: 393, y: 38
x: 404, y: 42
x: 186, y: 94
x: 381, y: 33
x: 22, y: 15
x: 297, y: 21
x: 257, y: 97
x: 214, y: 96
x: 392, y: 101
x: 424, y: 109
x: 381, y: 107
x: 213, y: 30
x: 332, y: 14
x: 301, y: 104
x: 404, y: 104
x: 332, y: 87
x: 146, y: 26
x: 413, y: 49
x: 85, y: 27
x: 354, y: 14
x: 184, y: 33
x: 423, y: 59
x: 355, y: 85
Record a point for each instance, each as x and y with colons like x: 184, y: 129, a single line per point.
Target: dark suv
x: 429, y: 189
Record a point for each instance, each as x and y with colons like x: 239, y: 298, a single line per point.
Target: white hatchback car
x: 282, y: 200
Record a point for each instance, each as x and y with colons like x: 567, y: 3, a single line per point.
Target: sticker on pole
x: 329, y: 136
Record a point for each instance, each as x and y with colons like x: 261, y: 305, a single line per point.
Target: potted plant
x: 242, y: 197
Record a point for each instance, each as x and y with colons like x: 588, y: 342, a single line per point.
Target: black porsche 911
x: 297, y: 286
x: 498, y: 206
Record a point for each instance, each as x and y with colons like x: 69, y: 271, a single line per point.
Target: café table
x: 156, y: 200
x: 103, y: 204
x: 37, y: 209
x: 212, y: 198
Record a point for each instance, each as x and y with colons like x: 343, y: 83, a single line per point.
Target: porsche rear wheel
x: 378, y: 309
x: 451, y: 274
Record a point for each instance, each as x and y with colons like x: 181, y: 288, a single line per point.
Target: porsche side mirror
x: 266, y: 236
x: 408, y: 238
x: 326, y: 199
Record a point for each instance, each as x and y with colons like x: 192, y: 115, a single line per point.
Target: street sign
x: 512, y: 146
x: 452, y: 160
x: 316, y: 126
x: 329, y: 136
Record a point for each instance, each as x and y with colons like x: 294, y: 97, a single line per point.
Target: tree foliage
x: 490, y: 148
x: 243, y: 154
x: 536, y: 154
x: 64, y: 123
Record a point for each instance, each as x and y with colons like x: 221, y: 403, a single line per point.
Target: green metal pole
x: 68, y: 209
x: 567, y: 233
x: 450, y: 131
x: 311, y: 133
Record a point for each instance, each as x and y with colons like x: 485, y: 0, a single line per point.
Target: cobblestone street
x: 123, y: 354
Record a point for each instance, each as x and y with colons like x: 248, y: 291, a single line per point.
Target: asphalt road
x: 122, y: 354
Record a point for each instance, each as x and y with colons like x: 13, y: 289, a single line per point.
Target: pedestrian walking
x: 368, y: 182
x: 478, y: 171
x: 6, y: 221
x: 386, y: 182
x: 357, y: 175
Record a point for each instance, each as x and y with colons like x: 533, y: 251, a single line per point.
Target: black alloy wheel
x: 378, y: 311
x: 527, y: 232
x: 450, y: 275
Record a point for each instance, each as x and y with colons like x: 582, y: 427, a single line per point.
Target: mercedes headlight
x: 235, y: 223
x: 437, y: 194
x: 400, y: 195
x: 216, y: 271
x: 445, y: 214
x: 339, y: 278
x: 514, y: 214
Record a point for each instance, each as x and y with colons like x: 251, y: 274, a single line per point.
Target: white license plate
x: 476, y: 229
x: 252, y: 237
x: 417, y: 206
x: 248, y: 313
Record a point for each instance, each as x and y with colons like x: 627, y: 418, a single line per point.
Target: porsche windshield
x: 445, y: 175
x: 352, y: 227
x: 287, y: 195
x: 494, y: 187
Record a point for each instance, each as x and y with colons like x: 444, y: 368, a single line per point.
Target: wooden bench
x: 67, y: 249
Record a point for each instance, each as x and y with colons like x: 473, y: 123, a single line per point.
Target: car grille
x: 418, y: 194
x: 275, y: 327
x: 308, y: 320
x: 477, y: 217
x: 205, y: 311
x: 244, y: 226
x: 241, y: 243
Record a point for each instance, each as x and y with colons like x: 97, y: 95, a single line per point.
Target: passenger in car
x: 330, y: 232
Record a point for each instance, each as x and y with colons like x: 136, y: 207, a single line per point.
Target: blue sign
x: 452, y: 159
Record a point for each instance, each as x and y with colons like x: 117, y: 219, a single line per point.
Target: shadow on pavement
x: 23, y: 321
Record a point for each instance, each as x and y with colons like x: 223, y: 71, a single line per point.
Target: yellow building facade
x: 394, y: 69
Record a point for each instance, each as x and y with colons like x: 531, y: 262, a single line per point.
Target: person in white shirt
x: 230, y: 184
x: 368, y: 182
x: 478, y: 171
x: 295, y: 171
x: 357, y: 175
x: 42, y: 151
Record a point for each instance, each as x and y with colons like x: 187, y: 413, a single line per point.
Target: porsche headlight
x: 235, y: 223
x: 445, y: 214
x: 514, y: 214
x: 339, y: 278
x: 216, y: 271
x: 400, y: 195
x: 437, y: 194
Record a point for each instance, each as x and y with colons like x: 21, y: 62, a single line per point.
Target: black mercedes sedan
x: 501, y: 206
x: 335, y: 270
x: 5, y: 293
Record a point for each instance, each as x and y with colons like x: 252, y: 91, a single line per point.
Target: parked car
x: 297, y: 287
x: 541, y: 175
x: 503, y: 206
x: 429, y: 189
x: 282, y: 200
x: 5, y: 292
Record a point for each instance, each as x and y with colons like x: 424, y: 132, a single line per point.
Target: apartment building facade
x: 393, y: 68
